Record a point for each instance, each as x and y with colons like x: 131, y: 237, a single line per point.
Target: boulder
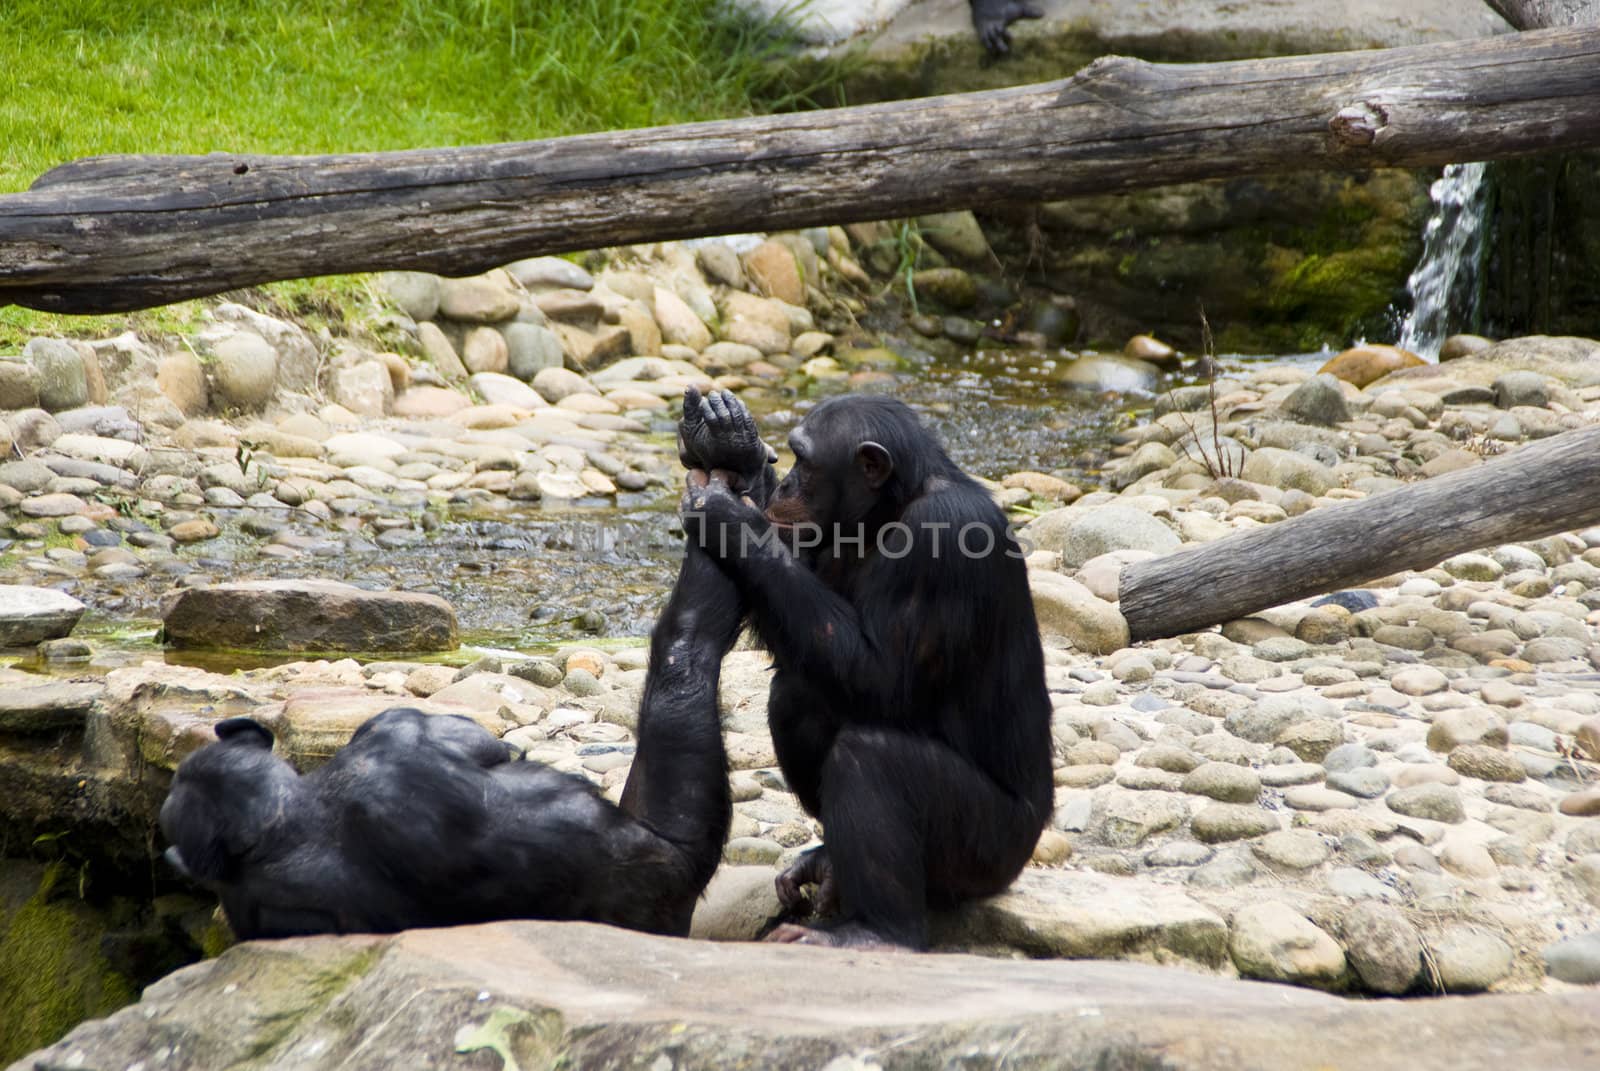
x: 63, y: 382
x: 536, y: 993
x: 1081, y: 534
x: 29, y: 615
x: 1066, y: 608
x: 1367, y: 364
x: 244, y: 369
x: 307, y: 615
x: 1069, y: 913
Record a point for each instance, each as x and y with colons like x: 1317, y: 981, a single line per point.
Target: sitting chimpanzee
x: 909, y: 710
x: 990, y: 18
x: 425, y: 820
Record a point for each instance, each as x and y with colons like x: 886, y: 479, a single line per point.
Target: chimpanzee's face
x: 836, y: 479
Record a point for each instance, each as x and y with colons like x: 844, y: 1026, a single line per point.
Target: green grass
x: 88, y: 77
x: 84, y: 77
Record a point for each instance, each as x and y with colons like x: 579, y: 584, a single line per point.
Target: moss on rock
x: 53, y: 972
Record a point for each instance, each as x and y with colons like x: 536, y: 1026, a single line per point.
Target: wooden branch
x: 1541, y: 14
x: 1544, y: 488
x: 127, y: 232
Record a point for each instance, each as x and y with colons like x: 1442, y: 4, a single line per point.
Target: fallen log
x: 116, y: 233
x: 1544, y: 488
x: 1539, y: 14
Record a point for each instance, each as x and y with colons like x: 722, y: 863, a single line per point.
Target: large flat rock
x: 308, y: 615
x: 534, y: 995
x: 29, y: 614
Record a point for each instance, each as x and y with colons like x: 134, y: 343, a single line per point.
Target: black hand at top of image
x: 990, y: 18
x: 718, y: 432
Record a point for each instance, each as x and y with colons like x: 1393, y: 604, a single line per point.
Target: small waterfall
x: 1444, y: 284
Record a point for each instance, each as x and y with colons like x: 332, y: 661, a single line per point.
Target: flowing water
x: 1444, y: 285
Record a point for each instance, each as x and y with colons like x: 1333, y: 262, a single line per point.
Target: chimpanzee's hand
x: 991, y: 17
x: 718, y: 432
x: 716, y: 517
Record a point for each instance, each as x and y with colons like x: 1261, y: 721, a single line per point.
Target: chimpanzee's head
x: 857, y: 458
x: 225, y: 801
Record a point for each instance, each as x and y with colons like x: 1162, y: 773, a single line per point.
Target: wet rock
x: 956, y: 234
x: 1275, y: 942
x: 1362, y: 365
x: 1463, y: 345
x: 950, y: 287
x: 1101, y: 373
x: 308, y: 615
x: 1383, y: 947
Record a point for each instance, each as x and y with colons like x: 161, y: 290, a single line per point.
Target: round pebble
x: 1437, y: 803
x: 1223, y: 781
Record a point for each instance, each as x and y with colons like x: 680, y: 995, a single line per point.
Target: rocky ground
x: 1396, y: 794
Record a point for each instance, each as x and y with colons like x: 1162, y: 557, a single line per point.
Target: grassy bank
x: 84, y: 77
x: 81, y: 77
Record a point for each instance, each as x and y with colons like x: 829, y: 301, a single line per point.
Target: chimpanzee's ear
x: 875, y: 464
x: 246, y: 732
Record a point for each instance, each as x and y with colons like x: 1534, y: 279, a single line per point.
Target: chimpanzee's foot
x: 843, y: 935
x: 718, y: 432
x: 812, y: 868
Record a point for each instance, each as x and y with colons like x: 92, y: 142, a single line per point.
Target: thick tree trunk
x: 1547, y: 487
x: 127, y: 232
x: 1541, y: 14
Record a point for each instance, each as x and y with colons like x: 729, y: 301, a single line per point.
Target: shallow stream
x: 529, y: 578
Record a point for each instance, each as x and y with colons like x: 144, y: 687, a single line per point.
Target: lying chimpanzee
x: 425, y: 820
x: 909, y: 710
x: 990, y: 18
